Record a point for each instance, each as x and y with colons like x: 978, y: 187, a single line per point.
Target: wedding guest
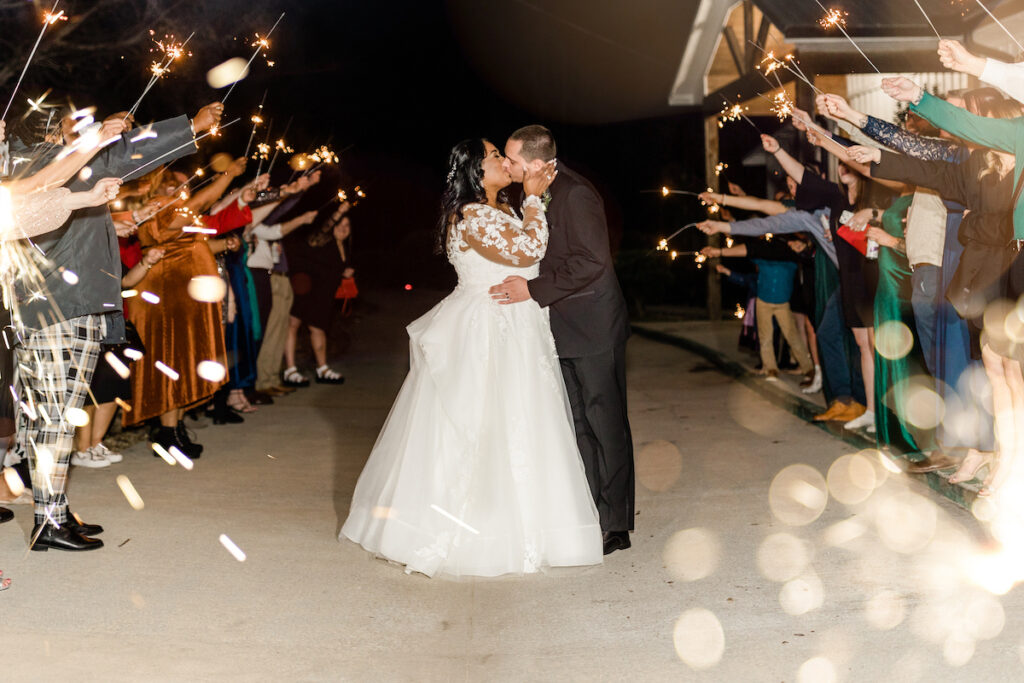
x: 316, y: 262
x: 67, y: 344
x: 109, y: 389
x: 180, y: 331
x: 989, y: 268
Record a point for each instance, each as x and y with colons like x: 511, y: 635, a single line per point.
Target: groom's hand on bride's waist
x: 512, y: 290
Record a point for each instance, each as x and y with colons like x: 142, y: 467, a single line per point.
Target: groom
x: 590, y: 325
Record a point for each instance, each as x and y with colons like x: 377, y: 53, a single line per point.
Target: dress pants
x: 597, y: 394
x: 275, y: 334
x: 56, y: 367
x: 840, y: 364
x: 766, y: 314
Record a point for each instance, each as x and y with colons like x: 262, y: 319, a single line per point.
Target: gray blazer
x: 86, y: 244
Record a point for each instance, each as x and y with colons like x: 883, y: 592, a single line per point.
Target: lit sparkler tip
x: 834, y: 17
x: 665, y: 191
x: 50, y: 18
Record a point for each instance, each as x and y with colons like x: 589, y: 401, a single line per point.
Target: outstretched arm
x: 791, y: 166
x: 745, y: 202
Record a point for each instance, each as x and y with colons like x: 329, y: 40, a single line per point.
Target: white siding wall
x: 865, y: 95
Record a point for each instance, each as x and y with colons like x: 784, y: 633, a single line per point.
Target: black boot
x: 168, y: 437
x: 190, y: 446
x: 64, y: 538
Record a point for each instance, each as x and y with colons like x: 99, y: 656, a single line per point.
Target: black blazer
x: 577, y: 277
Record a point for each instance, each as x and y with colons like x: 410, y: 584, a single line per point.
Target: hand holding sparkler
x: 837, y: 108
x: 237, y: 167
x: 710, y: 227
x: 902, y: 89
x: 864, y: 155
x: 955, y: 56
x: 208, y: 118
x: 153, y: 256
x: 770, y: 144
x: 711, y: 252
x: 105, y: 190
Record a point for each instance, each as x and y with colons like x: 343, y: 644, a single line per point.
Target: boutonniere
x: 546, y: 198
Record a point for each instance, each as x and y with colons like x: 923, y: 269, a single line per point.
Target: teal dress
x: 892, y: 376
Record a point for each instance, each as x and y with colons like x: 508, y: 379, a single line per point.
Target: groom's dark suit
x: 589, y: 321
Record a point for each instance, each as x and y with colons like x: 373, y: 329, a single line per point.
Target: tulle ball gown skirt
x: 476, y: 471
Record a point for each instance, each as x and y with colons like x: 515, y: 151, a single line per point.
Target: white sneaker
x: 109, y: 455
x: 89, y: 459
x: 815, y: 386
x: 865, y: 420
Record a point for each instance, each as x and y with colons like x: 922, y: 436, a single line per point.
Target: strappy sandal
x: 324, y: 375
x: 240, y: 404
x: 4, y: 583
x: 293, y: 378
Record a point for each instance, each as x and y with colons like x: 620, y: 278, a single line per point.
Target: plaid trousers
x: 54, y: 367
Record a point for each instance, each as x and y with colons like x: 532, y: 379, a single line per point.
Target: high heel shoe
x: 968, y: 470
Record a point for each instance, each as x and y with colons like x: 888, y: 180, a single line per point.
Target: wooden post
x: 710, y: 161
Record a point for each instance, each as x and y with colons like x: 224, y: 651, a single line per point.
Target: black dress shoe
x: 82, y: 528
x: 5, y: 515
x: 615, y: 540
x: 63, y: 538
x: 259, y: 398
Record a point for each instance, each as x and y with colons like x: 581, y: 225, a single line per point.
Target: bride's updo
x: 463, y: 185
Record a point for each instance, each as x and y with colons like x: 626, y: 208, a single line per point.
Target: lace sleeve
x: 502, y: 238
x: 35, y: 213
x: 917, y: 146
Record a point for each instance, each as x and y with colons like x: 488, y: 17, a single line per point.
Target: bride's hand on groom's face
x: 536, y: 182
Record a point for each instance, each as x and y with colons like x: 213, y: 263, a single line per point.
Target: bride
x: 476, y: 471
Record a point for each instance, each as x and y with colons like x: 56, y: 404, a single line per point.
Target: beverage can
x: 872, y: 250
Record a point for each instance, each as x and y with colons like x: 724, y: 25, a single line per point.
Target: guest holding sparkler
x: 317, y: 264
x: 66, y: 345
x: 184, y: 330
x: 989, y: 268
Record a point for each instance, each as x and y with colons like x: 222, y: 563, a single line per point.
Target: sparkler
x: 48, y: 20
x: 664, y: 192
x: 663, y: 242
x: 172, y: 51
x: 256, y: 119
x: 179, y: 147
x: 260, y: 44
x: 1000, y: 25
x: 772, y: 64
x: 928, y: 19
x: 734, y: 112
x: 837, y: 18
x: 280, y: 144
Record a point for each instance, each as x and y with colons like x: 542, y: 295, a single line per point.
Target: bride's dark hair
x: 463, y: 185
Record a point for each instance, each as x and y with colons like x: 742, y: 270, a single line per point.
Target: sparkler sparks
x: 834, y: 17
x: 837, y: 18
x: 781, y: 106
x: 719, y: 167
x: 261, y: 45
x: 46, y: 23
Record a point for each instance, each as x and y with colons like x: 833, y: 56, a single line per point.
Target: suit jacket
x: 577, y: 281
x: 86, y: 244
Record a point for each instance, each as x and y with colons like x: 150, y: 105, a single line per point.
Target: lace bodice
x: 36, y: 213
x: 488, y: 243
x: 911, y: 144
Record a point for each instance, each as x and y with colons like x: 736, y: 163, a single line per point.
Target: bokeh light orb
x: 691, y: 554
x: 76, y: 417
x: 893, y: 339
x: 798, y: 495
x: 906, y: 521
x: 885, y: 610
x: 781, y: 557
x: 658, y: 465
x: 226, y: 73
x: 852, y: 478
x: 211, y: 370
x: 699, y: 638
x: 801, y: 595
x: 207, y: 288
x: 817, y: 670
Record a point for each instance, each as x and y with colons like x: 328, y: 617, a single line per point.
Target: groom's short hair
x: 538, y: 143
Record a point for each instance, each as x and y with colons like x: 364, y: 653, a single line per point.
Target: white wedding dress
x: 476, y: 471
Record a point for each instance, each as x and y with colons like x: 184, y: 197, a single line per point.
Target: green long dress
x: 893, y: 375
